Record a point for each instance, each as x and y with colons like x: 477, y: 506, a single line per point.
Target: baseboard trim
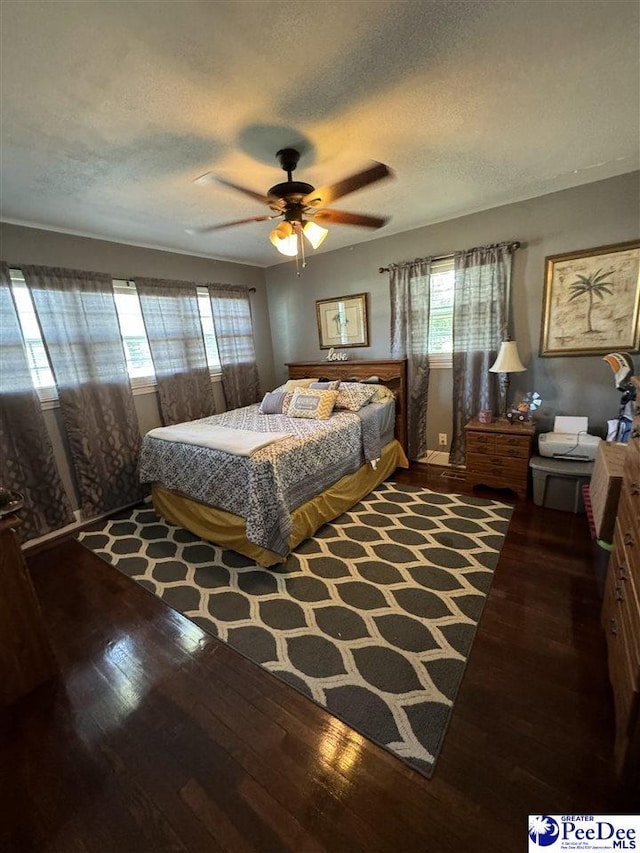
x: 41, y: 542
x: 436, y: 457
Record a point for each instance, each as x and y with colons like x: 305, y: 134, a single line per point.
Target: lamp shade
x: 508, y: 360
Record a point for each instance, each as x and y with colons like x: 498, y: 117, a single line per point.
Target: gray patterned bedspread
x: 265, y: 487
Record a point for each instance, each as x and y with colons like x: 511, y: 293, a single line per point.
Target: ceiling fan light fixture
x: 287, y: 246
x: 284, y: 230
x: 314, y: 233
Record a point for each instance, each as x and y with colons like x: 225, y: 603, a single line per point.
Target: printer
x: 569, y: 440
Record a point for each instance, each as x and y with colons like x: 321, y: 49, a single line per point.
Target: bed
x: 281, y: 478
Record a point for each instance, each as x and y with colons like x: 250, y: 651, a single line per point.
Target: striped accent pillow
x: 312, y: 403
x: 274, y: 403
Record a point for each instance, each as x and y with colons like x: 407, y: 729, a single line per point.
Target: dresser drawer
x: 624, y: 600
x: 623, y: 668
x: 627, y: 535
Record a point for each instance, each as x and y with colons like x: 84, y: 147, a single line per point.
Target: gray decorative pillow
x: 352, y: 396
x: 370, y: 380
x: 273, y: 403
x: 326, y: 385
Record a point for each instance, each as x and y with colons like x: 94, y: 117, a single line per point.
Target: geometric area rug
x: 373, y: 618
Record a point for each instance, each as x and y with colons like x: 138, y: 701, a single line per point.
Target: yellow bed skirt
x: 229, y: 530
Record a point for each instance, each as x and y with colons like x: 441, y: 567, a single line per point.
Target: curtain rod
x: 115, y: 278
x: 513, y: 246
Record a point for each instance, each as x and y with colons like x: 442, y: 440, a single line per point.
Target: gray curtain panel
x: 77, y: 315
x: 231, y: 309
x: 174, y: 329
x: 480, y: 321
x: 409, y: 285
x: 27, y: 463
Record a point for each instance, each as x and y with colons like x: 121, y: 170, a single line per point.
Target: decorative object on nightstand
x: 507, y: 362
x: 498, y: 455
x: 522, y: 412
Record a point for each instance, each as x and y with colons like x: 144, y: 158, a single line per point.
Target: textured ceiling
x: 110, y: 110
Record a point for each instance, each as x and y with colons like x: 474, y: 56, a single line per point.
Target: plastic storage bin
x: 557, y: 483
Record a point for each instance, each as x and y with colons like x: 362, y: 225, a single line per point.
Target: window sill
x: 140, y: 390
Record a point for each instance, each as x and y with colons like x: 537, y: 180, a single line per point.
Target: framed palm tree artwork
x: 591, y: 302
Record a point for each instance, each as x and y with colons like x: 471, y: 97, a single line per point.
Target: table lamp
x: 508, y: 361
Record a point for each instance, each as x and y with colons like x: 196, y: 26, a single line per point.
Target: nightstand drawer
x: 500, y: 466
x: 478, y: 442
x: 509, y: 447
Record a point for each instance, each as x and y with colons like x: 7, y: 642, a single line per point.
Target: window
x: 134, y: 336
x: 442, y: 281
x: 37, y: 355
x: 206, y: 318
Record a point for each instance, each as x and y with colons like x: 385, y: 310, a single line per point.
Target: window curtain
x: 231, y: 309
x: 77, y: 316
x: 172, y: 320
x: 28, y: 464
x: 480, y: 321
x: 409, y: 286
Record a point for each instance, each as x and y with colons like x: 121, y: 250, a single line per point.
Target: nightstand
x: 498, y: 455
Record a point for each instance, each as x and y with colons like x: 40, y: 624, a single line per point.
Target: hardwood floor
x: 157, y: 737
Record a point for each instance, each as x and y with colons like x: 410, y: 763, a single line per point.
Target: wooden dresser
x: 391, y: 371
x: 621, y: 615
x: 26, y: 659
x: 498, y: 455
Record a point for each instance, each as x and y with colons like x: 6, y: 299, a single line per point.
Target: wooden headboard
x: 392, y: 372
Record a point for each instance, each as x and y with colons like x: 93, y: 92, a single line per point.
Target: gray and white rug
x: 373, y: 618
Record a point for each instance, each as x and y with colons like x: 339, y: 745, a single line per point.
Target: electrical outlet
x: 442, y: 439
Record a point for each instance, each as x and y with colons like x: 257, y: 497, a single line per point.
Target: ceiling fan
x: 300, y: 206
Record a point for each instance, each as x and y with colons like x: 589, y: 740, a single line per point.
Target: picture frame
x: 342, y: 321
x: 591, y: 301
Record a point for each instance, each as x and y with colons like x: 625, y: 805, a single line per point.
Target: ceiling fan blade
x: 341, y: 217
x: 326, y: 195
x: 210, y: 178
x: 208, y: 228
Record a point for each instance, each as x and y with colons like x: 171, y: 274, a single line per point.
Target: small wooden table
x: 26, y: 658
x: 498, y: 455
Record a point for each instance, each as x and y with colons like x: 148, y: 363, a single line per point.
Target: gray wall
x: 21, y: 245
x: 583, y: 217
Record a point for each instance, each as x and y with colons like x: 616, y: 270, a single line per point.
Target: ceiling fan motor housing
x: 291, y: 192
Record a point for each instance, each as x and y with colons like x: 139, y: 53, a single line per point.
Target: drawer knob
x: 628, y: 539
x: 634, y: 488
x: 619, y: 593
x: 613, y: 627
x: 622, y: 573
